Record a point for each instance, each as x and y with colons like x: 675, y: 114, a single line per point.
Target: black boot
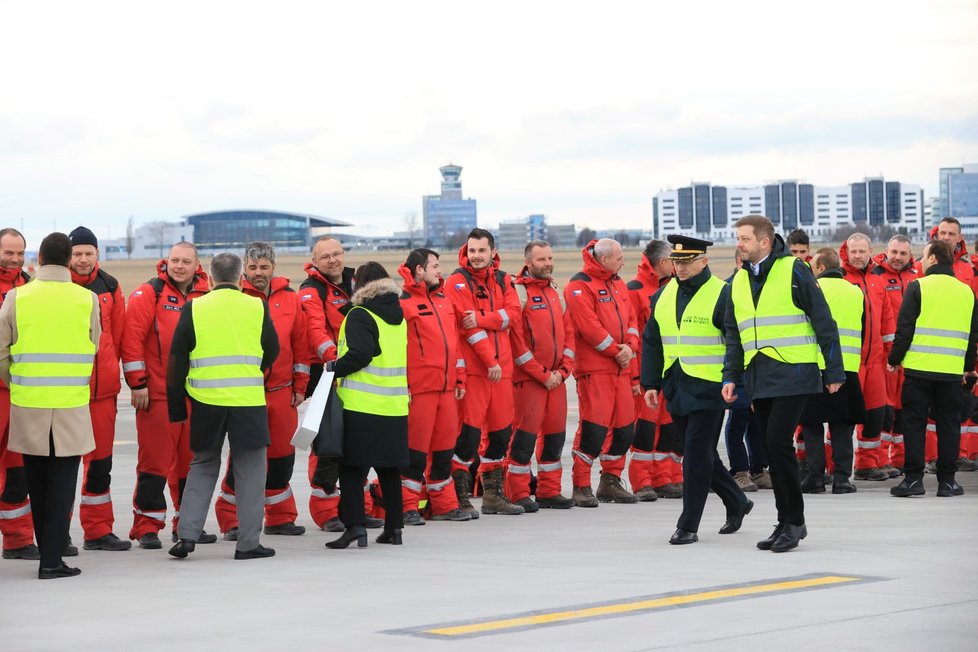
x: 353, y: 533
x: 392, y: 537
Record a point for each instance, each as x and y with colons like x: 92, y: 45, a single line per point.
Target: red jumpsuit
x: 289, y: 375
x: 15, y: 507
x: 164, y: 448
x: 96, y: 501
x: 546, y: 335
x: 435, y: 369
x: 598, y: 305
x: 872, y: 374
x: 488, y: 292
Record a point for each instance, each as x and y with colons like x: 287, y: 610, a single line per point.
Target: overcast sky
x: 581, y: 111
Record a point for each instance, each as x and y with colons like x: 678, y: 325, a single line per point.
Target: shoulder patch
x: 634, y: 284
x: 581, y: 276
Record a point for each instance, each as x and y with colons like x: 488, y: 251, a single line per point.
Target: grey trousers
x: 249, y: 467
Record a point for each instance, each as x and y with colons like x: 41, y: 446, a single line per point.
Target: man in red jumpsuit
x: 15, y: 507
x: 436, y: 380
x: 285, y: 390
x: 325, y: 299
x: 164, y: 453
x: 484, y: 297
x: 606, y: 337
x: 96, y: 513
x: 540, y: 396
x: 856, y: 255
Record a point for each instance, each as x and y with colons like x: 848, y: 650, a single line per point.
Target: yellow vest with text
x: 846, y: 305
x: 695, y: 341
x: 380, y: 387
x: 51, y: 361
x: 940, y: 337
x: 225, y: 363
x: 775, y: 327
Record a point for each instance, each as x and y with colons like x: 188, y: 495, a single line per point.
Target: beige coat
x: 30, y: 428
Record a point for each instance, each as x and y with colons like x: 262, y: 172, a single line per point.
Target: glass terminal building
x: 234, y: 229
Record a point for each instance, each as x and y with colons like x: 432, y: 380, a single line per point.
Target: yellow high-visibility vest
x: 776, y: 327
x: 846, y: 305
x: 940, y: 337
x: 380, y: 387
x: 225, y: 364
x: 51, y: 361
x: 695, y: 342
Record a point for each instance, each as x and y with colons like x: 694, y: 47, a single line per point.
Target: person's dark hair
x: 762, y: 226
x: 941, y: 251
x: 952, y: 220
x: 13, y: 231
x: 419, y: 257
x: 369, y: 271
x: 657, y: 250
x: 828, y: 258
x: 479, y: 234
x: 225, y: 268
x: 798, y: 237
x: 531, y: 244
x: 55, y: 249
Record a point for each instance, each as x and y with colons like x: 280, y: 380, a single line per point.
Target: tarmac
x: 875, y: 573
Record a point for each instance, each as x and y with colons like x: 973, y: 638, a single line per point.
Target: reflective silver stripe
x: 852, y: 332
x: 549, y: 466
x: 643, y: 457
x: 783, y: 320
x: 133, y: 366
x: 584, y: 457
x: 438, y: 486
x: 279, y: 497
x: 374, y: 389
x: 605, y: 343
x: 609, y: 458
x: 941, y: 332
x: 670, y: 339
x: 931, y: 427
x: 703, y: 339
x: 387, y: 372
x: 300, y: 369
x: 489, y: 460
x: 701, y: 359
x: 104, y: 499
x: 505, y: 317
x: 855, y: 350
x: 475, y: 338
x: 321, y: 493
x: 633, y: 331
x: 325, y: 345
x: 460, y: 363
x: 366, y: 486
x: 569, y: 353
x: 219, y: 360
x: 50, y: 381
x: 65, y: 358
x: 942, y: 350
x: 868, y: 443
x: 800, y: 445
x: 228, y: 498
x: 519, y: 469
x: 217, y: 383
x: 660, y: 457
x: 887, y: 338
x: 676, y: 458
x: 459, y: 460
x: 780, y: 341
x: 156, y: 516
x: 11, y: 514
x: 885, y: 436
x: 413, y: 485
x: 523, y: 359
x: 897, y: 439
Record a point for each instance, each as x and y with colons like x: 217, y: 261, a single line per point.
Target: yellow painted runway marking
x: 643, y: 604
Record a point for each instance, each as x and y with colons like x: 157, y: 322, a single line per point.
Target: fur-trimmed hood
x: 381, y: 298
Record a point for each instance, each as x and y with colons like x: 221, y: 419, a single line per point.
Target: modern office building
x: 448, y: 217
x: 513, y: 235
x: 959, y: 196
x: 233, y: 229
x: 711, y: 211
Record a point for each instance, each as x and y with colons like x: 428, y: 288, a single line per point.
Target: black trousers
x: 841, y: 448
x: 51, y: 485
x: 352, y: 479
x: 778, y: 417
x: 703, y: 469
x: 942, y: 398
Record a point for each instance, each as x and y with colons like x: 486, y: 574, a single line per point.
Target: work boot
x: 763, y: 479
x: 742, y: 478
x: 413, y: 517
x: 610, y: 489
x: 584, y: 497
x: 107, y: 542
x: 870, y: 474
x: 286, y: 529
x: 964, y: 464
x: 931, y: 467
x: 30, y: 552
x: 203, y: 538
x: 891, y: 470
x: 813, y: 484
x: 843, y: 486
x: 909, y: 487
x: 71, y: 550
x: 332, y: 525
x: 231, y: 534
x: 463, y: 491
x: 669, y: 490
x: 647, y: 494
x: 453, y: 515
x: 948, y: 488
x: 555, y: 502
x: 372, y: 523
x: 493, y: 499
x: 529, y: 505
x: 150, y: 541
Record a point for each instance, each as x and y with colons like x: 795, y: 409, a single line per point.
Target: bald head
x: 609, y: 254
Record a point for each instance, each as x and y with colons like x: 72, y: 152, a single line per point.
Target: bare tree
x: 157, y: 229
x: 411, y: 224
x: 585, y: 236
x: 130, y: 237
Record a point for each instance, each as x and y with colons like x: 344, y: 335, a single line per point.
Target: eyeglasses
x: 328, y: 257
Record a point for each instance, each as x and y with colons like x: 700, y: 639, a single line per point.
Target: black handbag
x: 329, y: 441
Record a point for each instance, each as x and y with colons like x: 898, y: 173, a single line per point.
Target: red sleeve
x: 523, y: 355
x: 476, y: 337
x: 139, y: 319
x: 461, y: 373
x: 302, y: 357
x: 118, y: 319
x: 320, y: 339
x: 580, y: 306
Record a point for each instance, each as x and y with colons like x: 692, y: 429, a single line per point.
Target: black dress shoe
x: 182, y: 548
x: 353, y: 533
x: 791, y: 535
x: 843, y: 487
x: 734, y: 521
x: 813, y: 484
x: 392, y: 537
x: 64, y: 570
x: 258, y: 552
x: 765, y: 544
x: 681, y: 537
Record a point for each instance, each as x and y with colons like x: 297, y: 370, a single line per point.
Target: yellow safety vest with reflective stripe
x: 775, y: 327
x: 846, y: 305
x: 51, y: 361
x: 380, y: 387
x: 225, y: 363
x: 695, y: 342
x: 940, y: 337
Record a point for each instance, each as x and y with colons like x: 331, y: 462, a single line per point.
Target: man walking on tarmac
x: 164, y: 448
x: 606, y: 336
x: 96, y: 501
x: 436, y: 380
x: 285, y: 390
x: 546, y: 335
x: 484, y: 297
